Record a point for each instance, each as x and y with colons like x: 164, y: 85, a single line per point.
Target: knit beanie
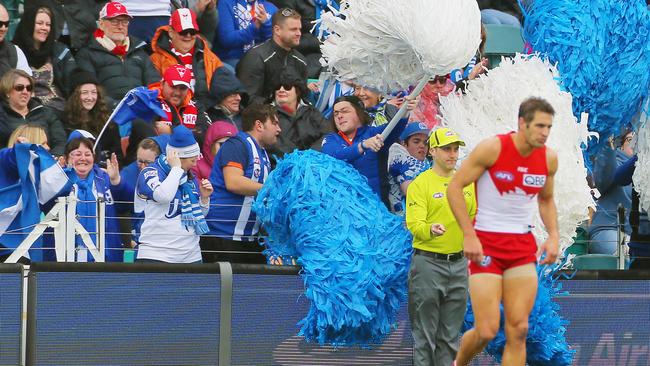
x: 182, y: 141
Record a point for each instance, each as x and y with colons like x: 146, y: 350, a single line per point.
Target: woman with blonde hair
x: 16, y: 87
x: 28, y: 134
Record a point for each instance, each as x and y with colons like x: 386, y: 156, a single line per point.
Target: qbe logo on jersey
x: 534, y: 180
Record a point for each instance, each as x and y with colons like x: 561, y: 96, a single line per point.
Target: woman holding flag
x: 20, y: 199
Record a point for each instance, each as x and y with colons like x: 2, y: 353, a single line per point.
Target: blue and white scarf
x: 191, y: 214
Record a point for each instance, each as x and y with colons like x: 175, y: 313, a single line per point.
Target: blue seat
x: 595, y: 262
x: 502, y: 40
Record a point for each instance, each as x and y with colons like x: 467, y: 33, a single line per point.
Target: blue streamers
x: 602, y: 48
x: 546, y: 344
x: 354, y: 253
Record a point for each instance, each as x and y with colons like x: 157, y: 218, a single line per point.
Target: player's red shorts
x: 505, y: 250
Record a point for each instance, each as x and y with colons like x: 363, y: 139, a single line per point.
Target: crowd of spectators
x: 240, y: 75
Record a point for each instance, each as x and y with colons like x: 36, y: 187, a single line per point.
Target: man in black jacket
x: 261, y: 67
x: 119, y: 61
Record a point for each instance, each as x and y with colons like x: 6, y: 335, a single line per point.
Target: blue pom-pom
x: 546, y: 343
x: 354, y: 253
x: 602, y: 50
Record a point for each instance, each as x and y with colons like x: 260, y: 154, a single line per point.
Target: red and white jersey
x: 506, y: 193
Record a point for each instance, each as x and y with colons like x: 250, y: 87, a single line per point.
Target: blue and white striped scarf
x: 191, y: 214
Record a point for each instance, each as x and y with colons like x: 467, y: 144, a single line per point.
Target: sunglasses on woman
x: 286, y: 87
x: 439, y: 80
x: 21, y: 87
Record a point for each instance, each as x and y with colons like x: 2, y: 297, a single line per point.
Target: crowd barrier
x: 218, y: 314
x: 64, y: 221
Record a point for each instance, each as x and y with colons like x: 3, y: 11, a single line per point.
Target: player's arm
x: 478, y: 161
x: 548, y: 211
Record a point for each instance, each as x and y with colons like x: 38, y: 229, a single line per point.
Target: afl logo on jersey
x: 504, y: 176
x: 438, y: 195
x: 534, y: 180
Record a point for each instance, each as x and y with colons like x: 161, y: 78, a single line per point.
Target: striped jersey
x: 231, y: 215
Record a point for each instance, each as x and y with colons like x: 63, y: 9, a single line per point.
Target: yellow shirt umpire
x: 438, y: 272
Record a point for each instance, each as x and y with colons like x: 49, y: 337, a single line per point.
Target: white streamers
x: 490, y: 106
x: 641, y: 177
x: 391, y: 44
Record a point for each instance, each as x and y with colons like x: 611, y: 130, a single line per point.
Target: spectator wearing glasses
x: 427, y: 108
x: 243, y: 24
x: 180, y: 43
x: 260, y: 68
x: 117, y: 60
x: 303, y: 126
x: 11, y: 56
x: 360, y: 144
x: 148, y: 151
x: 92, y: 183
x: 51, y: 61
x: 147, y: 17
x: 16, y: 87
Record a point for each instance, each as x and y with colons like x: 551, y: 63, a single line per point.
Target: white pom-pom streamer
x: 391, y: 44
x: 641, y: 176
x: 490, y: 106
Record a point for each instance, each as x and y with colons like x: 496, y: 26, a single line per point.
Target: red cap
x: 178, y: 75
x: 183, y: 19
x: 113, y: 9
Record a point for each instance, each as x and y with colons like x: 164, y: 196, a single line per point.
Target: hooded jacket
x: 204, y: 62
x: 218, y: 130
x: 225, y: 83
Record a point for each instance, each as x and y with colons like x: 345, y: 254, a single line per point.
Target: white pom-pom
x: 490, y: 106
x: 641, y: 177
x: 392, y: 44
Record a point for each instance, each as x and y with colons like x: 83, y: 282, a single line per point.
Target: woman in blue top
x: 361, y: 145
x: 92, y: 183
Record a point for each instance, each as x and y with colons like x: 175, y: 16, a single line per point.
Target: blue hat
x: 183, y: 142
x: 76, y: 134
x: 162, y: 141
x: 413, y: 128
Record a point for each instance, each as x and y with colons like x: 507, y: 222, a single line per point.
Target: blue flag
x: 40, y: 179
x: 139, y: 102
